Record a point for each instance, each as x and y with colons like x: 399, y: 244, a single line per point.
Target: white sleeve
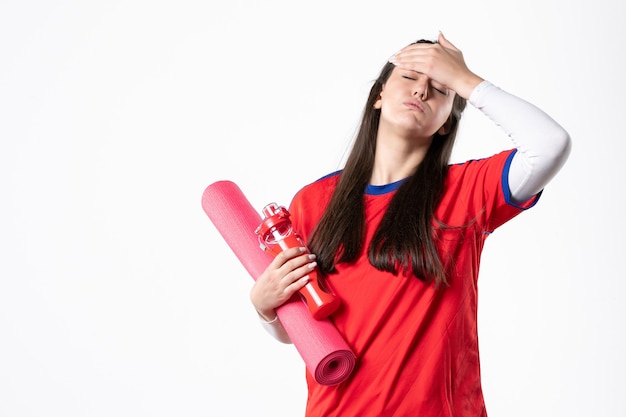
x: 542, y: 144
x: 276, y: 329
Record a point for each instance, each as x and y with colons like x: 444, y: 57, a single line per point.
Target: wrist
x: 267, y: 316
x: 468, y: 84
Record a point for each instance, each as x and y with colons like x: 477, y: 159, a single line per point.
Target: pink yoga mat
x: 326, y: 355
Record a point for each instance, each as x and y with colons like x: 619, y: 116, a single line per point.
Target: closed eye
x: 444, y: 92
x: 440, y: 90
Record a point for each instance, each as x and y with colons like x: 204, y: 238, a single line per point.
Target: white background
x: 119, y: 298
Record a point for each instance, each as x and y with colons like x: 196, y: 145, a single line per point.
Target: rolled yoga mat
x: 326, y: 355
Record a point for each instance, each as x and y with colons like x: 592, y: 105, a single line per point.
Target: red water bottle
x: 276, y: 234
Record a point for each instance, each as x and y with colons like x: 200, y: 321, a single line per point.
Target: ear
x: 378, y: 104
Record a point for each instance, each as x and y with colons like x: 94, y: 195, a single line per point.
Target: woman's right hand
x: 442, y: 62
x: 284, y: 276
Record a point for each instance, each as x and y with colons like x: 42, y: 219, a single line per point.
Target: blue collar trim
x: 383, y: 189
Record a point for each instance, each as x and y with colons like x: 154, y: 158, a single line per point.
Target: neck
x: 397, y: 157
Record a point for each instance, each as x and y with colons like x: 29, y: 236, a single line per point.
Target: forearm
x: 543, y: 145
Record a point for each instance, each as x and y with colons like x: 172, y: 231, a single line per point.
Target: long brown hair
x: 403, y: 242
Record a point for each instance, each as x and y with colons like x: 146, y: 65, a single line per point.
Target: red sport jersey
x: 416, y: 346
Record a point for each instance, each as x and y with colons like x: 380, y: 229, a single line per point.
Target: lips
x: 414, y: 105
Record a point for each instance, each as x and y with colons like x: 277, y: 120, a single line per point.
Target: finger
x: 443, y: 41
x: 407, y: 58
x: 286, y: 255
x: 297, y: 267
x: 298, y: 279
x: 297, y: 285
x: 416, y: 53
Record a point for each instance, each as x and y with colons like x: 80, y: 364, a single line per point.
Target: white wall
x: 117, y: 295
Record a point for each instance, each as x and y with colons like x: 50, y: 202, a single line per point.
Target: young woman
x: 398, y: 234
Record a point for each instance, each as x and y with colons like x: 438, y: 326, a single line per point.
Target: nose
x: 420, y: 89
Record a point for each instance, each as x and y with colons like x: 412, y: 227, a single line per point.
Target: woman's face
x: 413, y: 105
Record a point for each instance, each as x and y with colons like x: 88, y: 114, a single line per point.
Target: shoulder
x: 479, y: 189
x: 493, y: 169
x: 319, y: 191
x: 498, y: 160
x: 308, y: 205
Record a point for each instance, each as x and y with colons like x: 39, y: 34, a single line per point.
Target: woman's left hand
x: 442, y: 62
